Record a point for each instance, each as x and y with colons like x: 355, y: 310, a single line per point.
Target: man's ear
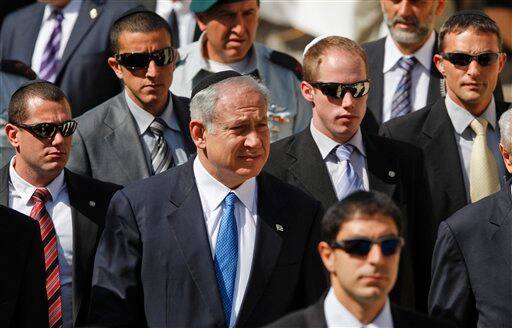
x: 439, y: 62
x: 202, y: 21
x: 11, y: 131
x: 506, y: 158
x: 327, y: 255
x: 116, y: 67
x: 307, y: 91
x: 198, y: 133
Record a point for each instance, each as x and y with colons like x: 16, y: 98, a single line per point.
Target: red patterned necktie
x: 51, y: 255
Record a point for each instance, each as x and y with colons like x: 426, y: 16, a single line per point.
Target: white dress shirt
x: 212, y: 194
x: 420, y: 74
x: 336, y: 315
x: 172, y: 134
x: 464, y: 136
x: 70, y: 13
x: 357, y: 158
x: 186, y: 18
x: 20, y: 194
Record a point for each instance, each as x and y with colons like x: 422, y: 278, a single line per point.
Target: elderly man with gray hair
x: 472, y: 263
x: 214, y: 242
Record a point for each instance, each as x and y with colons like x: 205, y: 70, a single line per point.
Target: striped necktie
x: 175, y: 29
x: 161, y: 156
x: 51, y: 255
x: 348, y: 181
x: 401, y: 103
x: 50, y: 59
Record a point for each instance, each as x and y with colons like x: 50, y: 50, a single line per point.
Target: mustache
x: 413, y: 20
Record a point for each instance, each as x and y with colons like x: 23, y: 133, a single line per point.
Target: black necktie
x: 175, y: 30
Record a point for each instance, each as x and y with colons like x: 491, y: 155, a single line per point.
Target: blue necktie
x: 401, y: 103
x: 349, y: 180
x: 226, y: 254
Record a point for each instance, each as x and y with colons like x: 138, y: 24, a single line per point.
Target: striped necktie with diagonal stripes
x: 161, y: 156
x: 51, y: 255
x: 349, y: 181
x: 401, y: 103
x: 50, y: 58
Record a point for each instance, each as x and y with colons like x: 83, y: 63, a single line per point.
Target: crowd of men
x: 169, y: 171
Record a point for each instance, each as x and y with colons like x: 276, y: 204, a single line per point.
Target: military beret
x: 200, y: 6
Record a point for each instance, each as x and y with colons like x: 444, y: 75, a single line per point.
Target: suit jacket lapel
x: 83, y: 24
x: 266, y: 249
x: 436, y: 83
x: 376, y: 64
x: 309, y: 168
x: 383, y: 173
x: 4, y: 186
x: 183, y: 113
x: 124, y: 140
x: 442, y: 158
x: 25, y: 48
x: 187, y: 224
x: 501, y: 224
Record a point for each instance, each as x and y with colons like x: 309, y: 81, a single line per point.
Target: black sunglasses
x: 462, y: 59
x: 362, y: 246
x: 338, y: 90
x: 48, y: 130
x: 136, y: 60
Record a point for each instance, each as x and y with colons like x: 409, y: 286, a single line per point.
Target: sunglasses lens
x: 163, y: 57
x: 487, y: 59
x: 390, y: 246
x: 44, y: 130
x: 459, y: 59
x: 68, y: 128
x: 360, y: 89
x: 358, y: 246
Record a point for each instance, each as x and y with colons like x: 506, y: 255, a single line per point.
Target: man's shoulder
x: 311, y: 317
x: 90, y: 185
x: 399, y: 148
x: 408, y: 318
x: 280, y: 152
x: 27, y: 11
x: 373, y: 48
x: 408, y: 126
x: 280, y: 59
x: 91, y: 118
x: 17, y: 221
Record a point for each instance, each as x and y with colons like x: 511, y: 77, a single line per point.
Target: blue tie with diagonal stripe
x: 401, y: 103
x: 50, y: 59
x: 349, y: 179
x: 226, y: 254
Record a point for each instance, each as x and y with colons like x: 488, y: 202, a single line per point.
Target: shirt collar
x: 326, y: 144
x: 143, y: 119
x: 26, y: 190
x: 392, y: 54
x: 216, y: 191
x: 337, y: 315
x: 73, y: 7
x: 462, y: 118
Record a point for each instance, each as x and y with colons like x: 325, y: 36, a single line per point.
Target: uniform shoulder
x: 288, y: 62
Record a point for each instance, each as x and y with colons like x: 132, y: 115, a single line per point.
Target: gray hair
x: 204, y: 103
x: 506, y: 129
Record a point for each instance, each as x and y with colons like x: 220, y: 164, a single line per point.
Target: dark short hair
x: 469, y: 20
x: 144, y: 21
x: 360, y: 202
x: 19, y: 101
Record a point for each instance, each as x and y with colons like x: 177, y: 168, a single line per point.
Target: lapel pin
x: 391, y: 174
x: 93, y: 13
x: 279, y: 227
x: 92, y: 203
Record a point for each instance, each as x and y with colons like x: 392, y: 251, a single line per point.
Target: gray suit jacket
x: 106, y: 145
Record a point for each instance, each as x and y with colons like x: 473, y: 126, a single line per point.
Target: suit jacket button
x: 92, y: 203
x: 391, y: 174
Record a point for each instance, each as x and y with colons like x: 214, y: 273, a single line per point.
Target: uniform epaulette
x: 288, y: 62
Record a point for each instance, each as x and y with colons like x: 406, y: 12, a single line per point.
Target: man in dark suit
x: 70, y: 208
x: 117, y: 140
x: 22, y: 279
x: 80, y: 60
x: 314, y: 160
x: 445, y: 130
x: 472, y: 263
x: 361, y: 273
x: 213, y: 242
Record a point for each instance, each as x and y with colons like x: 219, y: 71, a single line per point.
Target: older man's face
x: 238, y: 146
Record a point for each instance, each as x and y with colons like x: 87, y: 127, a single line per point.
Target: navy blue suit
x: 83, y: 73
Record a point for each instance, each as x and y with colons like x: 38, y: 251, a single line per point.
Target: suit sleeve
x: 79, y: 159
x: 117, y: 298
x: 450, y: 294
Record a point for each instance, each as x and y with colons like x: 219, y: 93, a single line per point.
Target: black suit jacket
x: 375, y: 51
x: 395, y: 169
x: 472, y: 264
x: 83, y: 73
x: 314, y: 316
x: 89, y: 200
x: 22, y: 277
x: 154, y: 264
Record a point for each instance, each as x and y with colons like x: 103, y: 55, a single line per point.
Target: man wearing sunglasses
x: 143, y: 130
x: 360, y: 248
x: 69, y: 208
x: 459, y: 134
x: 335, y: 155
x: 228, y: 43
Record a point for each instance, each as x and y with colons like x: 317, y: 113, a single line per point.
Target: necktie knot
x: 230, y: 199
x: 58, y: 16
x: 479, y: 126
x: 157, y: 127
x: 41, y: 195
x: 343, y: 152
x: 407, y: 63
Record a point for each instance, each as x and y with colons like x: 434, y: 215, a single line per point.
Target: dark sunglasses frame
x: 48, y: 130
x: 361, y: 246
x: 464, y: 59
x: 137, y: 60
x: 337, y: 90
